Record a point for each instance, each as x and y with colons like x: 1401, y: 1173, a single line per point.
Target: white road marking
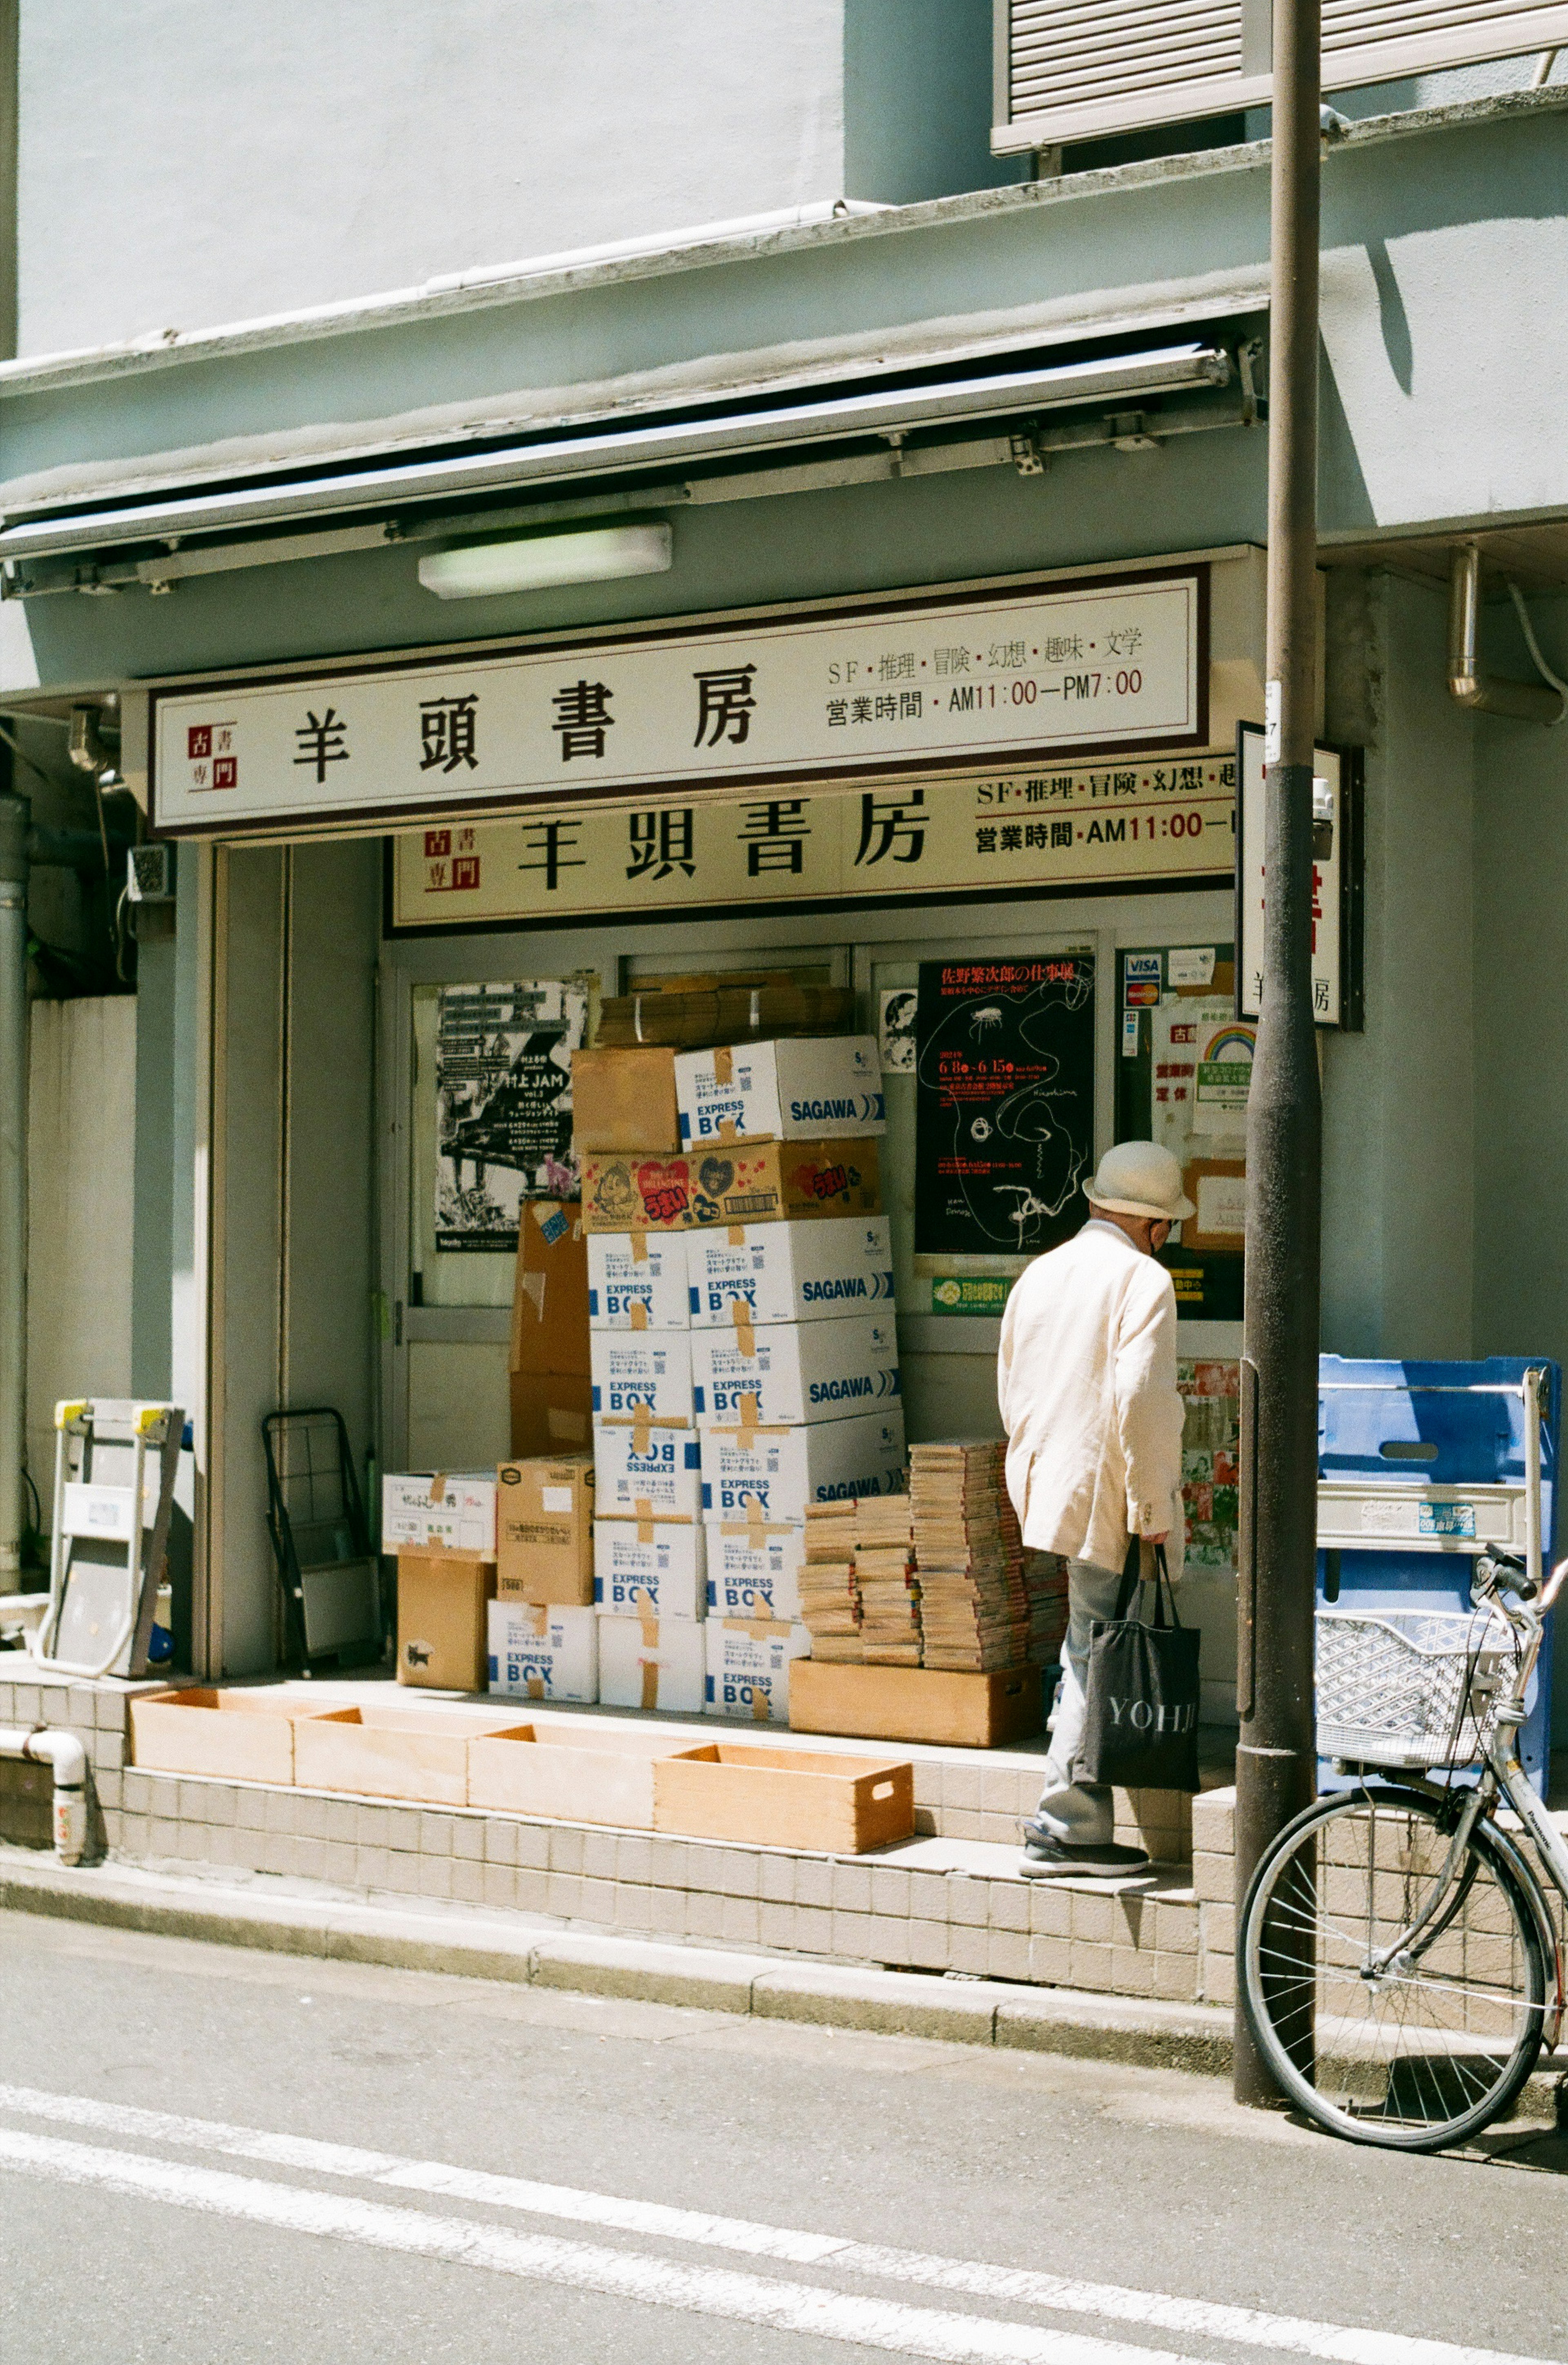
x: 1252, y: 2328
x: 582, y: 2266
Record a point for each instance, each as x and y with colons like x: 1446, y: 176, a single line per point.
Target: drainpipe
x: 47, y: 1745
x: 15, y: 817
x: 1527, y: 701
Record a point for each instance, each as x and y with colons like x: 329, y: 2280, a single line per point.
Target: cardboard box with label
x: 443, y: 1602
x: 427, y: 1510
x: 766, y: 1476
x: 624, y: 1098
x: 638, y: 1280
x: 652, y: 1663
x: 772, y: 1182
x: 647, y: 1473
x: 748, y: 1668
x: 795, y: 1088
x: 550, y: 1291
x: 790, y: 1272
x: 544, y: 1651
x: 643, y: 1375
x: 793, y: 1371
x: 551, y: 1412
x: 544, y: 1529
x: 658, y: 1572
x: 755, y: 1573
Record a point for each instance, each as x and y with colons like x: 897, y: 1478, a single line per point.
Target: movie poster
x: 1004, y: 1125
x: 503, y: 1086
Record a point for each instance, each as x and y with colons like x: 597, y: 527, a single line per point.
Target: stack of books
x: 885, y: 1575
x: 1045, y: 1581
x: 977, y: 1613
x: 830, y: 1595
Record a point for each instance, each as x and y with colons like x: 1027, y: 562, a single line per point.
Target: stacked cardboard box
x: 830, y: 1597
x: 550, y: 1370
x: 441, y: 1526
x: 976, y: 1610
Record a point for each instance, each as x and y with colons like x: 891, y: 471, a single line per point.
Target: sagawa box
x: 748, y: 1668
x: 793, y: 1371
x: 638, y: 1280
x: 797, y: 1087
x: 642, y: 1374
x: 437, y: 1510
x: 769, y: 1475
x: 771, y: 1182
x: 652, y: 1663
x: 544, y: 1653
x: 754, y: 1572
x: 790, y: 1272
x: 658, y: 1572
x: 647, y: 1473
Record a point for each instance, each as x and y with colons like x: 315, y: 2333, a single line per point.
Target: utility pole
x: 1276, y: 1768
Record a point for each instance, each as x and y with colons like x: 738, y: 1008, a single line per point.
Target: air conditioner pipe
x: 1527, y: 701
x: 47, y: 1745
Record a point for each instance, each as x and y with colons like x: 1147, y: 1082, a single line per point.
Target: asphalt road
x: 126, y: 2237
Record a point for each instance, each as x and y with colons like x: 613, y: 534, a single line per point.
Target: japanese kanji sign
x: 881, y: 692
x: 1169, y: 818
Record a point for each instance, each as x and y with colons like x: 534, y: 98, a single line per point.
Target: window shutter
x: 1075, y: 70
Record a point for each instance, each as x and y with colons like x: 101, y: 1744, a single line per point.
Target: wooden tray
x: 784, y: 1797
x: 605, y: 1775
x: 917, y: 1703
x: 243, y: 1736
x: 393, y: 1753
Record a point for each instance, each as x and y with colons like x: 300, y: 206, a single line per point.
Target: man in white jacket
x: 1087, y: 1385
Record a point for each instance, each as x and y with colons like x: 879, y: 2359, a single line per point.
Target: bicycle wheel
x: 1412, y: 2053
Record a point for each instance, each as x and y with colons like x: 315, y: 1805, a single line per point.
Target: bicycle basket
x: 1409, y: 1688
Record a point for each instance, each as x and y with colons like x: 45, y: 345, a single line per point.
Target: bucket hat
x: 1138, y: 1178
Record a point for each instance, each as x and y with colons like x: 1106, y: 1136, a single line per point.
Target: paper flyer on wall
x: 503, y: 1087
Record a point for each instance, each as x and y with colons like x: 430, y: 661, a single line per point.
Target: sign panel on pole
x: 1336, y: 885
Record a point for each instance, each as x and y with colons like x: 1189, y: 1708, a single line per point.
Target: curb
x: 527, y: 1950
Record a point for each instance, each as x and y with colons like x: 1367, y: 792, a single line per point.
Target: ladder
x: 115, y: 1462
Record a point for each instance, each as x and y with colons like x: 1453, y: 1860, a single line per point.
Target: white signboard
x: 875, y: 691
x: 1327, y: 964
x: 1169, y: 817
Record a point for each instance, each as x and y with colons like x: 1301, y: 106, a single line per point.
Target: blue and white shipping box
x: 792, y: 1372
x: 789, y: 1272
x: 748, y: 1668
x: 644, y: 1472
x: 754, y: 1572
x: 652, y: 1663
x: 766, y: 1476
x: 544, y: 1651
x: 637, y: 1280
x: 657, y: 1570
x: 641, y: 1374
x: 805, y: 1088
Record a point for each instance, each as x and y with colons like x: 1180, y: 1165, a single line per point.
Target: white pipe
x: 47, y: 1745
x: 14, y: 824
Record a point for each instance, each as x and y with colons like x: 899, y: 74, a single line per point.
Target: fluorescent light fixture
x: 481, y: 570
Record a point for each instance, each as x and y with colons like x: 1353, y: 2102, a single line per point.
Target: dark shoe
x: 1048, y: 1859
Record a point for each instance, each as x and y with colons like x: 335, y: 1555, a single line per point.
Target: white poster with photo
x: 503, y: 1092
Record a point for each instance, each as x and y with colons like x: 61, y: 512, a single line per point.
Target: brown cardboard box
x: 544, y: 1529
x: 551, y: 1413
x: 443, y: 1641
x: 245, y: 1735
x: 968, y: 1711
x: 624, y: 1099
x: 550, y: 1295
x: 773, y: 1181
x: 784, y: 1797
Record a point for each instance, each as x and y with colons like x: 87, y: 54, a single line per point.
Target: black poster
x: 1004, y: 1125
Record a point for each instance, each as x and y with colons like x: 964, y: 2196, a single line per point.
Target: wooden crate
x: 244, y: 1736
x: 966, y: 1711
x: 603, y: 1775
x: 784, y: 1797
x: 393, y: 1753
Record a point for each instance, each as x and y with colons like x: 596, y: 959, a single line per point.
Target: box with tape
x: 755, y: 1573
x: 656, y: 1573
x: 551, y: 1412
x: 790, y: 1273
x: 771, y: 1182
x: 748, y: 1668
x: 794, y: 1372
x: 652, y: 1663
x: 438, y: 1511
x: 570, y: 1773
x: 624, y: 1098
x: 638, y: 1280
x: 405, y: 1750
x: 441, y: 1602
x: 642, y: 1374
x: 544, y: 1651
x: 545, y: 1529
x: 550, y: 1290
x: 767, y: 1475
x: 784, y: 1797
x: 793, y: 1089
x: 644, y: 1472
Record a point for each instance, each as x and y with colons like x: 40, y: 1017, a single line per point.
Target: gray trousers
x: 1078, y: 1812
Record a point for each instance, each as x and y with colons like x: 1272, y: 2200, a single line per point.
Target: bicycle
x: 1395, y: 1955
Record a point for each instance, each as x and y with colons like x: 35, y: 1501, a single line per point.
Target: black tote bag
x: 1140, y: 1721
